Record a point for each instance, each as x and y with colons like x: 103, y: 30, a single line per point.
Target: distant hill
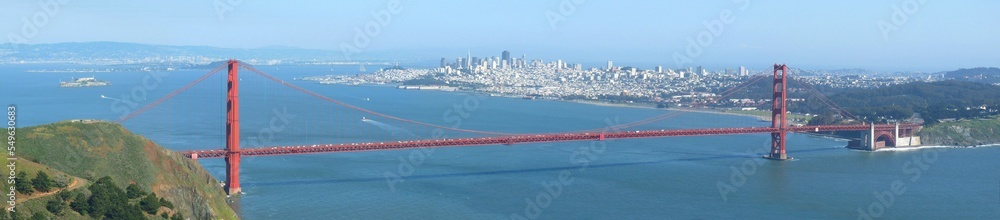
x: 955, y: 113
x: 124, y: 53
x: 933, y: 101
x: 95, y: 149
x: 981, y: 74
x: 118, y: 53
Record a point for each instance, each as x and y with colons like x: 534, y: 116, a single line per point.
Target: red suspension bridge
x: 878, y: 134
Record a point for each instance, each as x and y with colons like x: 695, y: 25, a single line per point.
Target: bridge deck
x: 519, y: 139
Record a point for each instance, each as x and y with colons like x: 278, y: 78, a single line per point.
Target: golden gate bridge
x: 886, y: 134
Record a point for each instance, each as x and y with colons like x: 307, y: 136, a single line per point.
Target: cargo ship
x: 84, y: 82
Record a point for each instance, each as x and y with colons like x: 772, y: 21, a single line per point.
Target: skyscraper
x: 505, y: 56
x: 443, y: 62
x: 743, y: 71
x: 610, y: 65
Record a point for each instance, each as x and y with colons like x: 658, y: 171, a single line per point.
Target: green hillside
x: 92, y: 150
x: 934, y: 101
x: 979, y: 74
x: 36, y: 201
x: 962, y: 133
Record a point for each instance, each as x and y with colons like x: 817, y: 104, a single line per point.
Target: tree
x: 109, y: 201
x: 133, y: 191
x: 64, y: 195
x: 16, y: 216
x: 127, y: 212
x: 42, y: 182
x: 824, y: 119
x: 38, y: 216
x: 177, y: 216
x: 21, y: 184
x: 106, y: 199
x: 166, y: 203
x: 80, y: 204
x: 61, y: 181
x: 54, y: 206
x: 150, y: 204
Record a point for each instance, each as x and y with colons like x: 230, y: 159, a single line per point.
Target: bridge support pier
x: 779, y: 113
x: 233, y: 130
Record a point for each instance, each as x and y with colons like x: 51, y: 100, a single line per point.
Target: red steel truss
x: 524, y: 139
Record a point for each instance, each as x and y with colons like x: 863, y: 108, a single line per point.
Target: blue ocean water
x: 684, y: 177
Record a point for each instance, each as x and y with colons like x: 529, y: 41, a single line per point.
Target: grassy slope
x: 34, y: 202
x: 93, y: 150
x: 962, y: 133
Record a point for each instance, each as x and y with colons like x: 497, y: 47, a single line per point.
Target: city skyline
x: 902, y: 35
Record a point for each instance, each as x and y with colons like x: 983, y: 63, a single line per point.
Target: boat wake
x: 107, y: 97
x: 395, y: 131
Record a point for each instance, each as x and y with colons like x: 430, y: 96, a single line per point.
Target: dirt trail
x: 72, y: 185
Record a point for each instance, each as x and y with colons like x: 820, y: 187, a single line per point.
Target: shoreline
x: 682, y: 109
x: 595, y: 103
x: 651, y: 107
x: 923, y: 147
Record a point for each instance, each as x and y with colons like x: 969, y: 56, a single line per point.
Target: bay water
x: 706, y: 177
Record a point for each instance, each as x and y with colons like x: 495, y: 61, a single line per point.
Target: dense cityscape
x: 509, y: 76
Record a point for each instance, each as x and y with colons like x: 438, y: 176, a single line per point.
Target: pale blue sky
x: 939, y: 35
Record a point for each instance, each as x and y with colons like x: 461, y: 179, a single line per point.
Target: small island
x: 84, y: 82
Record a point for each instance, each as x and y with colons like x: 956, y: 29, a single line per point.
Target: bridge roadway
x: 519, y: 139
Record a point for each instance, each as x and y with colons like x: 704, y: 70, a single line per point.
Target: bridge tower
x: 779, y: 110
x: 233, y: 130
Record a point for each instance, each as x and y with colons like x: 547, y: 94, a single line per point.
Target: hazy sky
x: 924, y: 35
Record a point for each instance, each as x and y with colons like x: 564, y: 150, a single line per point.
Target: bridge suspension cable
x: 723, y: 95
x: 328, y: 99
x: 169, y: 95
x: 815, y: 93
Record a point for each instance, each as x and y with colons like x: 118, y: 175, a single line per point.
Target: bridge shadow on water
x: 530, y: 170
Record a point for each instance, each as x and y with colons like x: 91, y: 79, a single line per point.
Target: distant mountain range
x: 131, y: 53
x: 112, y: 53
